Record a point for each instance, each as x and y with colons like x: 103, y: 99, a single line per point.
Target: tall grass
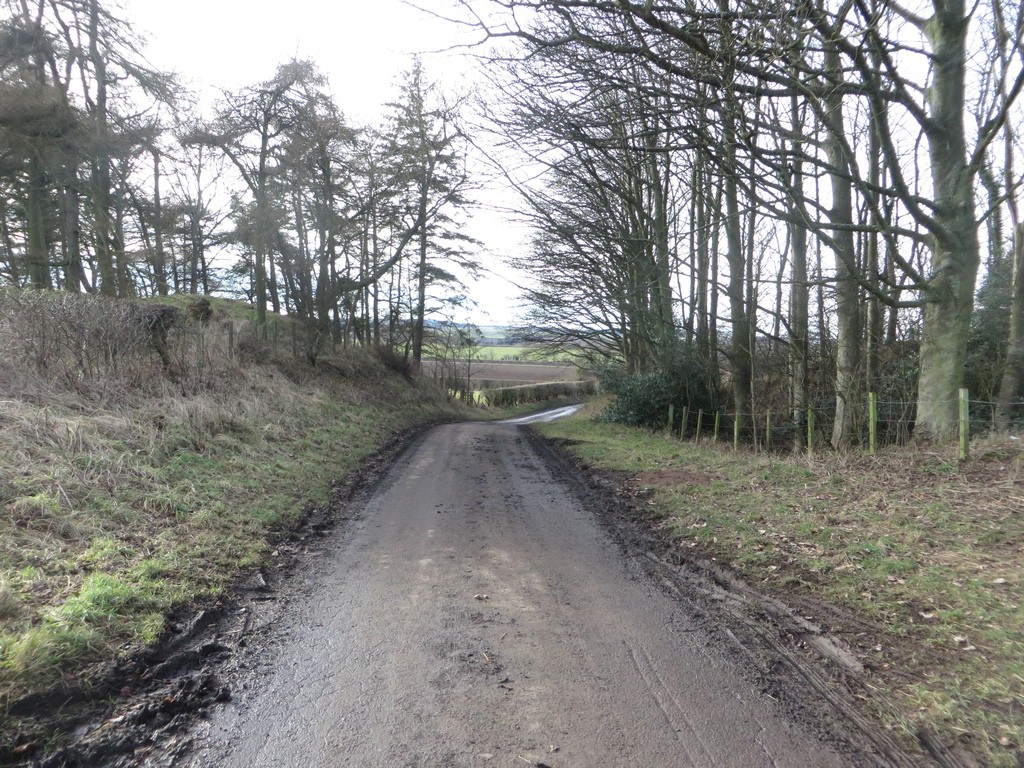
x: 134, y: 481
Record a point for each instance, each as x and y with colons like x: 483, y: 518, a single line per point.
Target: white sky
x: 362, y: 46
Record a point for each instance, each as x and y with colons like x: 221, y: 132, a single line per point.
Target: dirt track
x: 474, y: 613
x: 484, y: 601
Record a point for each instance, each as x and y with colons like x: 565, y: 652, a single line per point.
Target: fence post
x: 686, y: 418
x: 671, y: 416
x: 810, y: 430
x: 872, y: 422
x: 965, y: 424
x: 700, y: 423
x: 768, y: 430
x: 736, y: 432
x: 718, y: 423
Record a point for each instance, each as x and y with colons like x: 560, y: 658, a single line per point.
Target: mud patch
x: 680, y: 476
x: 127, y: 712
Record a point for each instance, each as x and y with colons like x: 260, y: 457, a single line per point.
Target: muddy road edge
x: 780, y: 649
x: 145, y: 704
x: 161, y: 695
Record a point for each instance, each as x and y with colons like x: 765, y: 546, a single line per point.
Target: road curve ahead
x: 475, y: 614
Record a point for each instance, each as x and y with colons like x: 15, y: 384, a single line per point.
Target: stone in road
x: 475, y: 614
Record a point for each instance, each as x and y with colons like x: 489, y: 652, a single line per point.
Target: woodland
x: 757, y: 207
x: 117, y: 184
x: 804, y: 202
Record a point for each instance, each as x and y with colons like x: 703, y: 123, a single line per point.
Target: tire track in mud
x: 480, y: 616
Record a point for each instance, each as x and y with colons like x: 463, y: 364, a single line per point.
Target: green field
x: 521, y: 353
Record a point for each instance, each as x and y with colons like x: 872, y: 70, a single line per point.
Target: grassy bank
x: 924, y: 553
x: 128, y: 490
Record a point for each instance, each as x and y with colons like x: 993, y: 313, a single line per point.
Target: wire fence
x: 874, y: 423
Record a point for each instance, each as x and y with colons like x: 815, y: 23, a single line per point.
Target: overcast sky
x: 362, y: 46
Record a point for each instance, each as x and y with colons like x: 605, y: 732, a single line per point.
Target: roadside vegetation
x: 921, y: 554
x: 129, y: 489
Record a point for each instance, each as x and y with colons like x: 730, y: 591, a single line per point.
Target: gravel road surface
x: 474, y: 613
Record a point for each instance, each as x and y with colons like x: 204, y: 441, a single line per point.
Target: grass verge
x: 119, y: 506
x: 924, y: 553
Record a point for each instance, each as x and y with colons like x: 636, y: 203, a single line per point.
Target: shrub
x: 643, y: 399
x: 93, y: 344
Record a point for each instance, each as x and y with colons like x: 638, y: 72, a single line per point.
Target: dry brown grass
x: 127, y: 489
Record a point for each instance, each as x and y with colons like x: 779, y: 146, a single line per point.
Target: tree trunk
x: 955, y: 249
x: 102, y: 225
x: 195, y: 237
x: 716, y: 226
x: 847, y: 274
x: 798, y: 292
x: 1010, y: 387
x: 739, y: 357
x: 38, y: 250
x: 875, y: 310
x: 658, y: 182
x: 421, y: 279
x: 125, y: 284
x: 75, y: 279
x: 159, y: 255
x: 702, y: 258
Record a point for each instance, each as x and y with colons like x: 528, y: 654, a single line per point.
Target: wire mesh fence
x: 876, y: 422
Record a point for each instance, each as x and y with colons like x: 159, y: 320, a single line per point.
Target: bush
x: 93, y: 344
x: 643, y: 399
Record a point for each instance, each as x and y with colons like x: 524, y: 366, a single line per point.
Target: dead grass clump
x: 10, y: 608
x: 106, y: 350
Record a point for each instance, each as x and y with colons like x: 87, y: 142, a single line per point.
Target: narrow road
x: 475, y: 614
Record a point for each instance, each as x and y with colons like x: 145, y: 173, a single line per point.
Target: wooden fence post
x: 768, y: 430
x: 965, y: 424
x: 700, y: 423
x: 810, y: 430
x: 686, y: 418
x: 718, y: 423
x: 671, y: 416
x: 736, y: 432
x: 872, y: 422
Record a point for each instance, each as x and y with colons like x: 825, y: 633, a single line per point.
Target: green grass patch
x: 505, y: 353
x: 924, y: 548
